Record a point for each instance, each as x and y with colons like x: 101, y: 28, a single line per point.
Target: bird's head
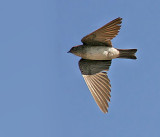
x: 75, y: 50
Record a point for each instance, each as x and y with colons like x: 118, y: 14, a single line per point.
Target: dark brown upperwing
x: 103, y: 35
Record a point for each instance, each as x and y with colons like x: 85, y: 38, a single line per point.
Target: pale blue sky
x: 42, y: 92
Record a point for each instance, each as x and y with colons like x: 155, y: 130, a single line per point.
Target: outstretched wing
x: 103, y: 35
x: 99, y: 86
x: 97, y: 80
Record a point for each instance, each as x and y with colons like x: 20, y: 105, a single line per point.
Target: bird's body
x: 96, y: 53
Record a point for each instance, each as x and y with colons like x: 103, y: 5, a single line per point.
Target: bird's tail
x: 127, y: 53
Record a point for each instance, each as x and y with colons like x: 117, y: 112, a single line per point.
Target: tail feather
x: 127, y: 53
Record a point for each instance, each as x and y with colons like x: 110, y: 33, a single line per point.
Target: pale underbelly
x: 101, y: 54
x: 98, y: 57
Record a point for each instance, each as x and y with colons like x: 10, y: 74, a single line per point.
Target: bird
x: 96, y: 54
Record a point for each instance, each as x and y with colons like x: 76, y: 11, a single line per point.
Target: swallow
x: 97, y: 52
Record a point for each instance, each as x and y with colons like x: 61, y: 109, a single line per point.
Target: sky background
x: 42, y: 92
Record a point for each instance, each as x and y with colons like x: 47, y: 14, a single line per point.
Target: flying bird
x: 97, y: 52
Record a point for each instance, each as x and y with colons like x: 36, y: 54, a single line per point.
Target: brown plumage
x: 94, y: 73
x: 99, y: 86
x: 97, y: 52
x: 104, y: 34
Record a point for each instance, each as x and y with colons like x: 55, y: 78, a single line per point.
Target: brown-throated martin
x: 96, y: 53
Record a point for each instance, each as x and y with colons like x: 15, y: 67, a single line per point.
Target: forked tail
x: 127, y: 53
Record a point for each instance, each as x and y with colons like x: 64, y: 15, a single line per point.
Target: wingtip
x: 119, y: 18
x: 105, y: 111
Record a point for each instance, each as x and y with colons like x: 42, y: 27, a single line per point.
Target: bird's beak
x: 68, y: 52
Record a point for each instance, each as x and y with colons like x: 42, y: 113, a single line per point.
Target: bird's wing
x: 99, y: 86
x: 97, y: 80
x: 103, y: 35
